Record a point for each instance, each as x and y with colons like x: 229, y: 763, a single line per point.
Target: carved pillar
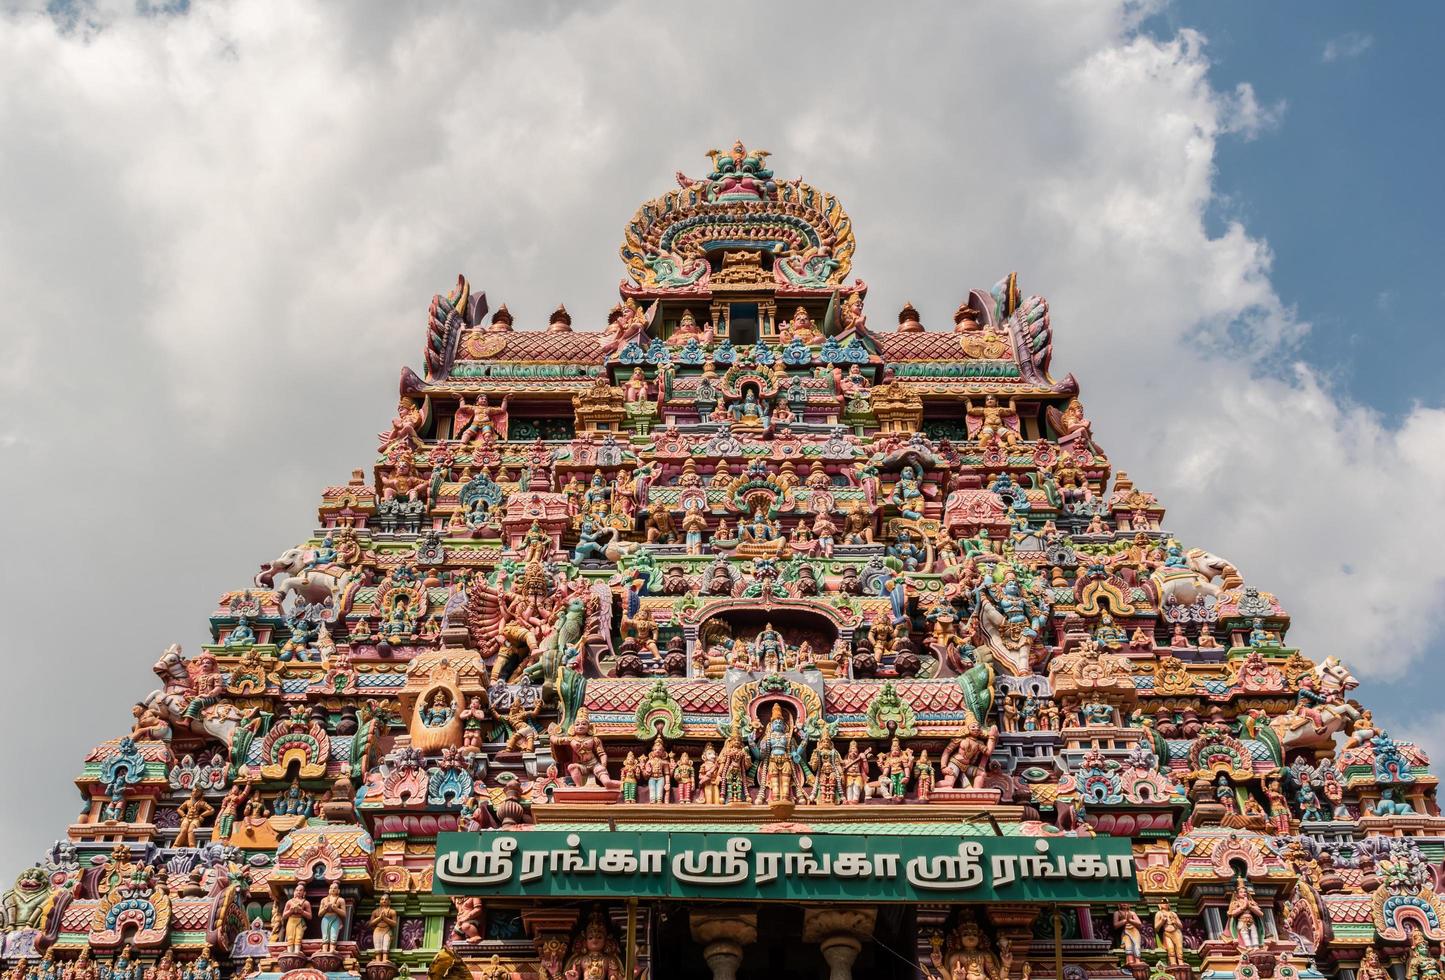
x: 839, y: 933
x: 839, y: 951
x: 723, y: 934
x: 551, y: 932
x: 1015, y: 922
x: 928, y: 938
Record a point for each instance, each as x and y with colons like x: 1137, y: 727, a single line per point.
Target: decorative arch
x: 1394, y: 912
x: 1236, y: 848
x: 748, y: 699
x: 1101, y: 594
x: 295, y: 740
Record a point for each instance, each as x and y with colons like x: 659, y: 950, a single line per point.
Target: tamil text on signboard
x: 786, y: 867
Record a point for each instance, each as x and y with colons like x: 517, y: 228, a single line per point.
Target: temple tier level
x: 741, y: 637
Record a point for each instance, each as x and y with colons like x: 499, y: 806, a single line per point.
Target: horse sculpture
x: 1316, y: 727
x: 292, y: 573
x: 219, y: 721
x: 1195, y: 581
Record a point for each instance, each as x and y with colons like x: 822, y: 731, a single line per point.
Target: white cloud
x: 223, y: 230
x: 1346, y: 47
x: 1248, y: 117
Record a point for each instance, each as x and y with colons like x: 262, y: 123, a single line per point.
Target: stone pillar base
x: 723, y: 933
x: 839, y: 952
x: 723, y: 958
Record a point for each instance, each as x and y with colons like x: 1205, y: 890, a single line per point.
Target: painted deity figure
x: 904, y: 549
x: 694, y: 525
x: 1370, y: 967
x: 1421, y: 965
x: 826, y: 767
x: 684, y: 777
x: 243, y: 633
x: 733, y: 767
x: 473, y: 716
x: 965, y: 757
x: 1131, y: 932
x: 858, y: 525
x: 1261, y: 637
x: 630, y: 773
x: 294, y: 916
x: 768, y: 645
x: 895, y: 769
x: 658, y: 768
x: 823, y: 533
x: 750, y: 410
x: 1170, y: 933
x: 597, y: 499
x: 383, y: 928
x: 993, y: 421
x: 758, y: 529
x: 969, y: 955
x: 524, y: 735
x: 709, y: 787
x: 409, y: 418
x: 591, y: 541
x: 149, y: 725
x: 803, y: 328
x: 635, y: 390
x: 210, y: 684
x: 1363, y: 732
x: 778, y: 749
x: 1244, y: 916
x: 856, y: 768
x: 438, y: 711
x: 907, y: 494
x: 925, y: 776
x: 588, y: 765
x: 193, y: 813
x: 231, y: 805
x: 333, y: 915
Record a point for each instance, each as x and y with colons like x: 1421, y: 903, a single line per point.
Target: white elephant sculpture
x: 1188, y: 585
x: 290, y: 573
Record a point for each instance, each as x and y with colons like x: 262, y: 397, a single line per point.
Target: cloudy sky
x: 220, y: 227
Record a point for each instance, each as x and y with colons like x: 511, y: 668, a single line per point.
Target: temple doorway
x: 743, y: 324
x: 779, y: 952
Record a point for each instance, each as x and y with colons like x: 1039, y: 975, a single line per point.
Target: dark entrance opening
x: 743, y: 324
x: 780, y: 953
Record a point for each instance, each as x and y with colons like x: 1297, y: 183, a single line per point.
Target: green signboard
x: 786, y: 867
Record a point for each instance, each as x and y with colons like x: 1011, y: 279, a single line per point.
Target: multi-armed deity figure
x: 777, y: 749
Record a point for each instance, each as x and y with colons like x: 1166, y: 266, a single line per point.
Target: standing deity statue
x: 777, y: 749
x: 383, y: 928
x: 193, y: 814
x: 826, y: 765
x: 709, y: 775
x: 733, y: 766
x: 333, y: 916
x: 855, y: 773
x: 1244, y: 916
x: 1170, y: 932
x: 895, y: 770
x: 1131, y: 935
x: 291, y: 924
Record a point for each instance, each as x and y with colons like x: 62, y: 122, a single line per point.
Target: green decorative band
x: 957, y: 369
x: 494, y: 369
x: 786, y: 867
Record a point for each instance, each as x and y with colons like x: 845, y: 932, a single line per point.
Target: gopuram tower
x: 740, y: 636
